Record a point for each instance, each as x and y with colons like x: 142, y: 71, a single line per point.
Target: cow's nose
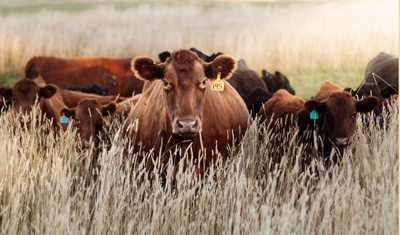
x: 188, y: 126
x: 341, y: 141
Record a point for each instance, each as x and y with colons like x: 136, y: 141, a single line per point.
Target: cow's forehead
x: 341, y: 102
x: 89, y: 108
x: 25, y: 89
x: 186, y: 72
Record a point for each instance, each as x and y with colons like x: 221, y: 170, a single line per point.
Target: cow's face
x: 339, y: 112
x: 88, y: 120
x: 23, y: 96
x: 184, y: 77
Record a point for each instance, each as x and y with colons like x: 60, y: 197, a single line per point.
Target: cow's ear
x: 350, y: 90
x: 47, y: 91
x: 222, y: 64
x: 108, y: 109
x: 163, y: 56
x: 389, y: 90
x: 317, y: 105
x: 68, y: 112
x: 5, y: 92
x: 367, y: 104
x: 146, y: 69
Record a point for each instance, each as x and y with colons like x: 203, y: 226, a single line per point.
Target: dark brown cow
x: 276, y: 81
x: 333, y: 118
x: 88, y: 119
x: 23, y: 95
x: 111, y: 73
x: 179, y: 109
x: 383, y: 70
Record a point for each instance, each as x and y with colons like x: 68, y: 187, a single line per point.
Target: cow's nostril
x: 341, y: 141
x: 187, y: 124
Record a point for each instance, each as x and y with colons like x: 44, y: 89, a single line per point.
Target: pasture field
x: 307, y: 41
x: 46, y: 186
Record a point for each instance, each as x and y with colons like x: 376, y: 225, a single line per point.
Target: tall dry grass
x: 46, y: 187
x: 300, y: 39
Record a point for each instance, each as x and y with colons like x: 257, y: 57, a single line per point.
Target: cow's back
x: 384, y: 65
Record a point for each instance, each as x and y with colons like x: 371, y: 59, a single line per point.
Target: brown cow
x: 23, y: 95
x: 111, y: 73
x: 333, y: 118
x: 88, y: 119
x: 327, y: 88
x: 179, y: 109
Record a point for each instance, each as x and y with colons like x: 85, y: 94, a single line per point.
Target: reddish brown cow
x: 88, y: 119
x: 282, y: 105
x: 332, y: 117
x: 111, y: 73
x: 179, y: 109
x: 23, y: 95
x: 327, y: 88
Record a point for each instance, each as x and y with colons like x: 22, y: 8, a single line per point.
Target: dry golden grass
x: 47, y: 188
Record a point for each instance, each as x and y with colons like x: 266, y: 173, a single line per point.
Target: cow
x: 179, y: 110
x: 327, y: 88
x: 88, y: 119
x: 276, y: 81
x: 23, y: 95
x: 332, y: 118
x: 245, y: 81
x: 90, y: 88
x: 111, y: 73
x: 383, y: 70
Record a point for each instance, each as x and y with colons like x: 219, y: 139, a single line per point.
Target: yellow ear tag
x: 218, y: 84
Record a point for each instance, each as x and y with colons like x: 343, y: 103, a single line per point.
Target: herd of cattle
x: 188, y: 102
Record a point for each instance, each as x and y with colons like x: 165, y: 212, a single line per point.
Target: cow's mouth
x: 187, y: 134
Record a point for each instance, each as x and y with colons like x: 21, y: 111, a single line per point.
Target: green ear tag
x: 218, y: 84
x: 64, y: 119
x: 314, y: 115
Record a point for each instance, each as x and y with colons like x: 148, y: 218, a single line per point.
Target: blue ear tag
x: 314, y: 115
x: 64, y: 119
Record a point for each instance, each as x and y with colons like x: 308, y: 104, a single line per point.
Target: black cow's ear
x: 367, y: 104
x: 47, y: 91
x: 67, y: 112
x: 222, y: 64
x: 146, y: 69
x: 5, y: 92
x: 108, y: 109
x: 317, y: 105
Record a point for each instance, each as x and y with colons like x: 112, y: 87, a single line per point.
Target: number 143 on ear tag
x: 218, y: 84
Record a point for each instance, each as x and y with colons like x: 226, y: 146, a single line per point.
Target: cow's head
x: 185, y: 78
x: 276, y: 81
x: 23, y: 96
x: 88, y: 119
x: 339, y: 112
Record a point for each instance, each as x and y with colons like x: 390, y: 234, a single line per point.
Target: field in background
x: 307, y: 41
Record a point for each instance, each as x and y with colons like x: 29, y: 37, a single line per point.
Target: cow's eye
x: 77, y: 121
x: 166, y: 84
x: 203, y: 83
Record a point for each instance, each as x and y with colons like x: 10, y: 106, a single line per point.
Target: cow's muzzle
x: 186, y: 127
